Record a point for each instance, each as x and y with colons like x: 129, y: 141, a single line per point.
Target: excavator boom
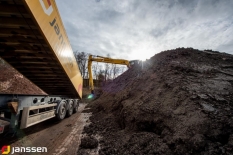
x: 105, y: 60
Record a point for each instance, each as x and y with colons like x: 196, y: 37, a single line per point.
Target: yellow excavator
x: 105, y: 60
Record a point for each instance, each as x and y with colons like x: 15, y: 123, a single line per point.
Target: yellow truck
x: 33, y: 41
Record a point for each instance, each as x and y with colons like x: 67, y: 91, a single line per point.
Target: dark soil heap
x: 180, y: 103
x: 12, y: 82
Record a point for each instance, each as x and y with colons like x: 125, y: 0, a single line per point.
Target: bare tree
x: 110, y: 76
x: 115, y: 71
x: 107, y: 70
x: 82, y: 59
x: 96, y: 69
x: 101, y: 75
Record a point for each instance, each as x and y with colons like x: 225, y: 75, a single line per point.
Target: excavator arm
x: 105, y: 60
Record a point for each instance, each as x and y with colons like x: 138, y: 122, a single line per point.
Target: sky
x: 138, y: 29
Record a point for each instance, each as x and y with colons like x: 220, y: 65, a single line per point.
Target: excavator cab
x: 134, y: 62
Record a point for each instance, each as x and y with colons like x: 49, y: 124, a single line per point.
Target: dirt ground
x: 180, y: 102
x: 12, y: 82
x: 60, y: 137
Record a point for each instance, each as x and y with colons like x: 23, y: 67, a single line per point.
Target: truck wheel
x: 76, y: 107
x: 61, y: 111
x: 70, y: 109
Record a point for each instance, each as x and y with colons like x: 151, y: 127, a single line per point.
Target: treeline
x: 100, y: 71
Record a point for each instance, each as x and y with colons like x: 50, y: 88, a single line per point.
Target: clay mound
x: 180, y: 103
x: 12, y: 82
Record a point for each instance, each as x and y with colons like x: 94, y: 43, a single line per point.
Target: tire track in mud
x: 73, y: 140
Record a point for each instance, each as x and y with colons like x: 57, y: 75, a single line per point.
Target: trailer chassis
x: 22, y: 111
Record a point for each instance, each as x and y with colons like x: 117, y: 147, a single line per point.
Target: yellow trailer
x: 33, y: 40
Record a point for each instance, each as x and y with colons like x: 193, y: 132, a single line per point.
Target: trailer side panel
x: 47, y: 16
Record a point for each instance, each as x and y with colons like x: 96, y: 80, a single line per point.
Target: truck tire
x: 61, y: 111
x: 70, y: 108
x: 76, y: 104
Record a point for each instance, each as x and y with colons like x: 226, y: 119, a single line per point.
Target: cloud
x: 135, y: 29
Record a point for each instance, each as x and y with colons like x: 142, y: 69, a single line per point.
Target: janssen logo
x: 47, y: 7
x: 61, y: 45
x: 7, y: 149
